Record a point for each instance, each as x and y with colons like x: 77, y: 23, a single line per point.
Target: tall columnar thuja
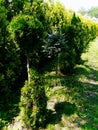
x: 77, y: 42
x: 84, y: 33
x: 8, y: 57
x: 28, y: 32
x: 78, y: 36
x: 57, y: 16
x: 10, y: 70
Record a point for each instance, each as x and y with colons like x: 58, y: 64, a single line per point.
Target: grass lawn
x: 74, y: 102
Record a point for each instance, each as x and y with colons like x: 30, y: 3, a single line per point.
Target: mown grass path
x: 74, y: 102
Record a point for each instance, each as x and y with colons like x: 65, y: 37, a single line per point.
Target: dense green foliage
x: 39, y: 36
x: 78, y: 35
x: 9, y: 59
x: 33, y: 102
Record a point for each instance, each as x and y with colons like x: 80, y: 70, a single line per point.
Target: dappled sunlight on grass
x: 81, y: 89
x: 91, y: 55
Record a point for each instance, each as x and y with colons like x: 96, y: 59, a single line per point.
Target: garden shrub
x: 33, y: 102
x: 78, y: 36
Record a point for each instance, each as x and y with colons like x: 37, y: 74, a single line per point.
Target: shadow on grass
x: 89, y: 72
x: 82, y: 88
x: 84, y: 93
x: 61, y: 108
x: 65, y: 108
x: 9, y: 107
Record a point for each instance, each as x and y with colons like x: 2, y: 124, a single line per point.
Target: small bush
x: 33, y: 102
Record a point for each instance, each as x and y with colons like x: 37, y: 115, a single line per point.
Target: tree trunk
x: 57, y: 70
x: 28, y: 69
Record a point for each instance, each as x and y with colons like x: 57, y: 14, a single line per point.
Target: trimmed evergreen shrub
x: 78, y: 36
x: 33, y: 102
